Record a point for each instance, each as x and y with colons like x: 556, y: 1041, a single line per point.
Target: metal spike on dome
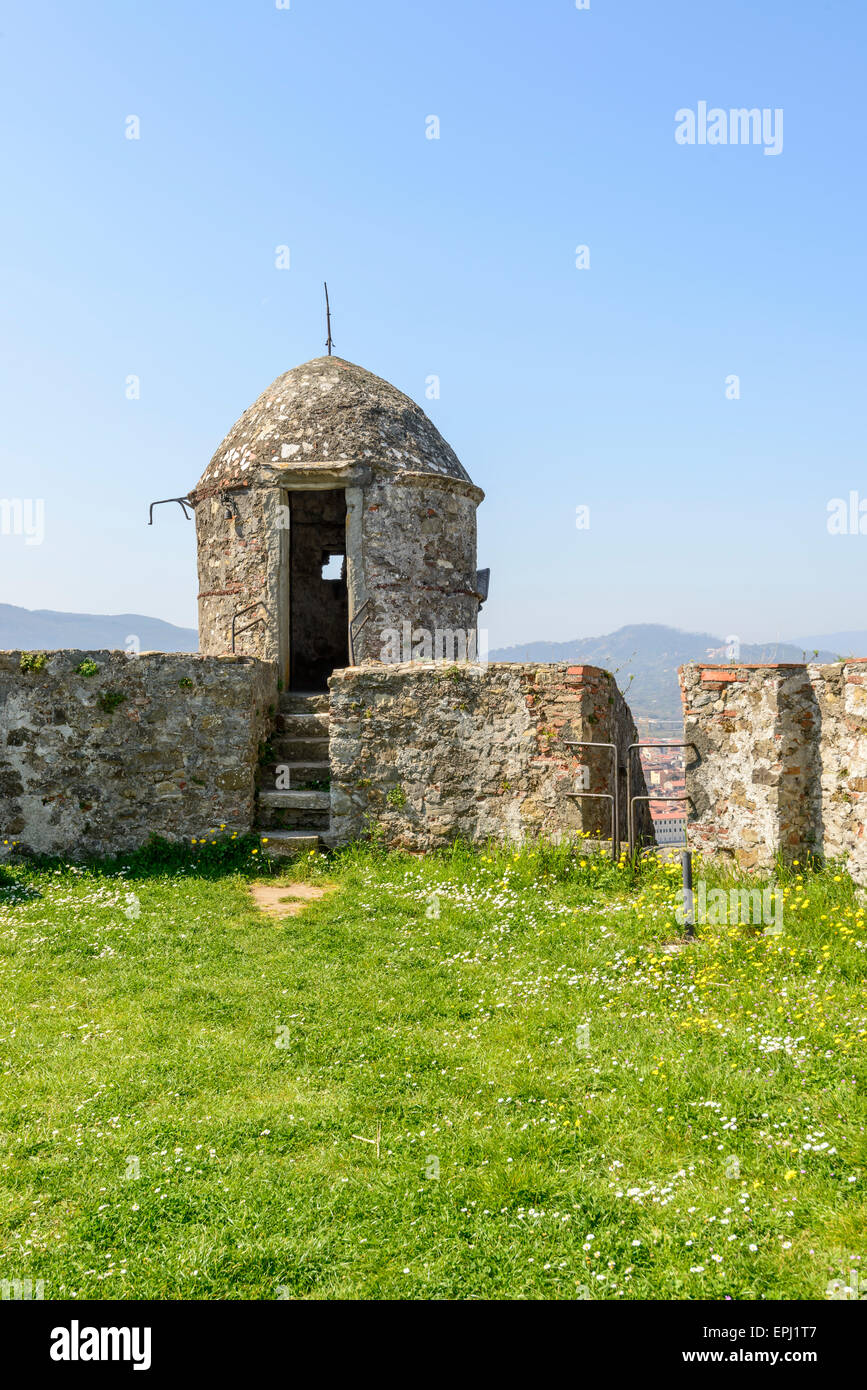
x: 329, y: 344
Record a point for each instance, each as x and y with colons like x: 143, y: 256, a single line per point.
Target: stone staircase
x: 298, y: 816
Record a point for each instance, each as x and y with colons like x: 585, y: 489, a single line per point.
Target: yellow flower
x: 791, y: 1175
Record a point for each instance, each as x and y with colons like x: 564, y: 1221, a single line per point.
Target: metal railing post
x: 631, y: 800
x: 688, y: 900
x: 613, y: 797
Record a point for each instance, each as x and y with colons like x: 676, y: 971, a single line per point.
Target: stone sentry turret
x: 332, y: 512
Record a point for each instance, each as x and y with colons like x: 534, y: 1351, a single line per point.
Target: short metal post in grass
x: 688, y: 900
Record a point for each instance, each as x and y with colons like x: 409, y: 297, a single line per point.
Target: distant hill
x: 41, y: 629
x: 645, y: 656
x: 842, y: 643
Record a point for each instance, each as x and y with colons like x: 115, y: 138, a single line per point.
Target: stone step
x: 295, y: 801
x: 281, y: 818
x: 299, y: 750
x: 311, y: 724
x: 299, y: 742
x: 292, y: 818
x: 283, y: 844
x: 299, y: 776
x: 302, y: 702
x: 294, y: 810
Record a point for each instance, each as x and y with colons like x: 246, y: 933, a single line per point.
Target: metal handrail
x: 653, y: 798
x: 631, y: 800
x: 183, y: 503
x: 260, y: 603
x: 607, y: 796
x: 354, y: 631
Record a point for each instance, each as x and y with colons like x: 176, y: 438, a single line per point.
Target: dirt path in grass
x: 287, y: 899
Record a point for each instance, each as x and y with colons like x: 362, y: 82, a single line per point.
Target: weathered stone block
x: 167, y: 760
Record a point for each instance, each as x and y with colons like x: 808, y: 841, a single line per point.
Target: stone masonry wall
x: 239, y: 560
x: 840, y: 808
x: 161, y: 744
x: 419, y: 548
x: 432, y: 752
x: 416, y: 560
x: 780, y: 761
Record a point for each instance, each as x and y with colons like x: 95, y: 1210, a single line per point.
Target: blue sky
x: 456, y: 257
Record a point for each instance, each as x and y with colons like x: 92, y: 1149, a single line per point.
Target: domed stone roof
x: 329, y: 411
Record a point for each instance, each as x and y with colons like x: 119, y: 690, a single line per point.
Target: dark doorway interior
x: 318, y: 596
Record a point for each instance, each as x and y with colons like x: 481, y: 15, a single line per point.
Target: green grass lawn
x: 188, y: 1084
